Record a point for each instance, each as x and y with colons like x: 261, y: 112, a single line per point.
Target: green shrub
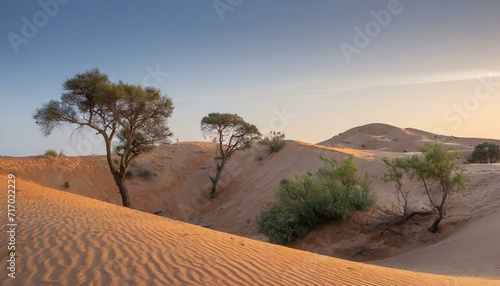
x: 278, y: 222
x: 51, y: 152
x: 485, y: 153
x: 438, y: 171
x: 334, y: 192
x: 275, y: 141
x: 145, y: 173
x: 66, y: 184
x: 362, y: 198
x: 139, y: 170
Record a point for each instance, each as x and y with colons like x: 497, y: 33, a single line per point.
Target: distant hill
x: 384, y: 137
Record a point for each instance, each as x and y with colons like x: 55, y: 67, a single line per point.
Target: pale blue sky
x: 434, y: 65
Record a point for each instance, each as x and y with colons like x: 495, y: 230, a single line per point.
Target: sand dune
x: 173, y: 179
x: 383, y: 137
x: 65, y: 239
x: 473, y: 249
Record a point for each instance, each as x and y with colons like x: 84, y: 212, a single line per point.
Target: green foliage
x: 281, y: 223
x: 141, y: 171
x: 145, y: 173
x: 51, y: 153
x: 66, y: 184
x: 132, y: 117
x: 129, y: 174
x: 438, y: 172
x: 231, y: 133
x: 438, y: 167
x: 334, y: 192
x: 275, y: 141
x: 439, y: 164
x: 398, y: 172
x: 485, y: 153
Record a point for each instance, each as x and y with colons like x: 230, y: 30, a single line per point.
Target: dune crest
x: 384, y: 137
x: 173, y: 181
x: 72, y: 240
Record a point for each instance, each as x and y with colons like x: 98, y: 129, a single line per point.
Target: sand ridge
x: 179, y: 185
x: 384, y: 137
x: 66, y: 239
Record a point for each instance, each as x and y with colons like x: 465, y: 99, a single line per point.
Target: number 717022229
x: 11, y: 198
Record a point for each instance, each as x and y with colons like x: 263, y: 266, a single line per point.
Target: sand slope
x: 384, y: 137
x: 473, y: 249
x: 179, y: 183
x: 178, y: 186
x: 65, y: 239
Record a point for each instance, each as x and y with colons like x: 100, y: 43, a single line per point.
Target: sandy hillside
x: 473, y: 250
x: 177, y: 182
x: 66, y: 239
x: 173, y: 180
x: 383, y: 137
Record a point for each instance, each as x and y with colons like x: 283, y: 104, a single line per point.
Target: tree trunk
x: 215, y: 180
x: 214, y: 189
x: 441, y: 214
x: 441, y: 211
x: 434, y: 226
x: 119, y: 177
x: 120, y: 182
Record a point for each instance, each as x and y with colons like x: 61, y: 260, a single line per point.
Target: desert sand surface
x: 473, y: 249
x: 176, y: 186
x: 384, y: 137
x: 66, y: 239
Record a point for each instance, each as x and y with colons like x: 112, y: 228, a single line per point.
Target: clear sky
x: 311, y: 69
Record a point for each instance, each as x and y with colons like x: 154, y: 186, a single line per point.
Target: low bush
x: 334, y: 192
x: 275, y: 141
x: 51, y: 152
x: 145, y: 173
x: 129, y: 174
x: 141, y: 171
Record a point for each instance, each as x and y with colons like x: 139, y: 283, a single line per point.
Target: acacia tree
x: 230, y: 132
x: 485, y: 153
x: 440, y: 174
x: 130, y: 118
x: 399, y: 173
